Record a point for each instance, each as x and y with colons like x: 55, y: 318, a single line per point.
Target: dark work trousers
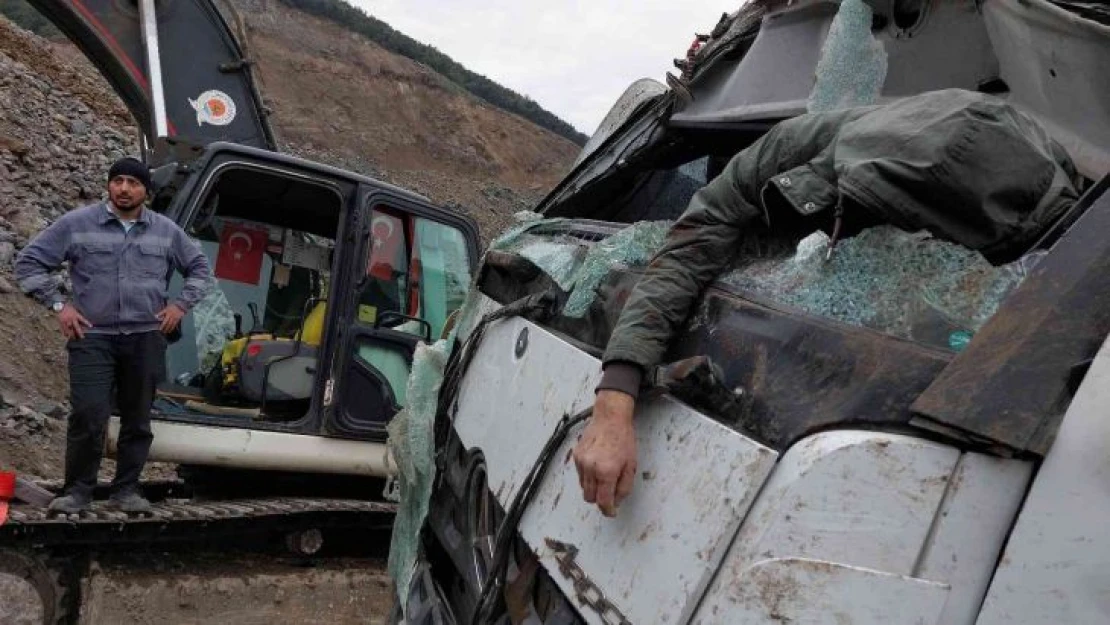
x: 130, y: 366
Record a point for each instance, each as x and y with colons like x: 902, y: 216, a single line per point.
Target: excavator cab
x: 318, y: 292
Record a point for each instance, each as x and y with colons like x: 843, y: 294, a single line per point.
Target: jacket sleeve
x: 704, y: 241
x: 40, y: 258
x: 699, y: 246
x: 193, y: 264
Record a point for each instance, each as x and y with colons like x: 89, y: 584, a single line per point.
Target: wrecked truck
x: 899, y: 432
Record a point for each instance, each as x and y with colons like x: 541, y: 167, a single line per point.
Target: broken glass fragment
x: 412, y: 447
x: 577, y: 266
x: 853, y: 62
x: 631, y: 247
x: 909, y: 285
x: 214, y: 321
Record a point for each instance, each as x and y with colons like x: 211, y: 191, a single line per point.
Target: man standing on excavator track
x: 121, y: 256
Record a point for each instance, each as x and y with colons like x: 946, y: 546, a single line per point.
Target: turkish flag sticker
x: 241, y: 252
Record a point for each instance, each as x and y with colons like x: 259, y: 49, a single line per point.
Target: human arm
x: 791, y: 162
x: 699, y: 247
x: 34, y: 267
x: 39, y: 259
x: 193, y: 265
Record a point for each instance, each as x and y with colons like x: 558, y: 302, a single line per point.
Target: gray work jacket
x: 120, y: 278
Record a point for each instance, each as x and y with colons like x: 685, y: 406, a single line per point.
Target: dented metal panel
x: 802, y: 373
x: 762, y: 85
x: 983, y: 498
x: 650, y: 560
x: 1054, y: 64
x: 773, y: 80
x: 809, y: 592
x: 858, y: 498
x: 635, y: 97
x: 1043, y: 58
x: 847, y: 499
x: 812, y: 592
x: 1056, y: 568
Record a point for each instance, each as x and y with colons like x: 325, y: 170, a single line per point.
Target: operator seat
x: 292, y: 363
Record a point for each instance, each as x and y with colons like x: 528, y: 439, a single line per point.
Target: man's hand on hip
x: 170, y: 316
x: 606, y: 454
x: 72, y: 322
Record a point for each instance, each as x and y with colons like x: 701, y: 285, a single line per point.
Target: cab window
x: 417, y: 273
x: 416, y: 267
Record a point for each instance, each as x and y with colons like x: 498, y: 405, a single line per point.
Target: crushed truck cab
x: 895, y: 432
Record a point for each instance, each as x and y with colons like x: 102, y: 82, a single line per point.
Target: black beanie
x: 133, y: 167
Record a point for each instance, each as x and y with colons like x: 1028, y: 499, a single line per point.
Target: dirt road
x: 240, y: 590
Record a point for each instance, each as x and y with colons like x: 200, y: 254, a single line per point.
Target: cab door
x: 412, y: 267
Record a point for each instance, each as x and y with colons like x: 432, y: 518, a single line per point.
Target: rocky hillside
x: 336, y: 97
x: 340, y: 98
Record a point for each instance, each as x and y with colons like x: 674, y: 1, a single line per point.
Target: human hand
x: 170, y: 316
x: 606, y: 454
x: 72, y: 322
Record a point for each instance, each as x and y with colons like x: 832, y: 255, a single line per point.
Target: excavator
x: 280, y: 386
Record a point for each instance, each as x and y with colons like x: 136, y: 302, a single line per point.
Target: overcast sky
x: 574, y: 57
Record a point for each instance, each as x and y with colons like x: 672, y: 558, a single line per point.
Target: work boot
x: 68, y: 504
x: 131, y: 502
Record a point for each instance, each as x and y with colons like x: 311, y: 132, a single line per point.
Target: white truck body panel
x: 983, y: 497
x: 844, y: 505
x: 813, y: 592
x: 870, y: 527
x: 696, y: 478
x: 1056, y: 568
x: 864, y: 499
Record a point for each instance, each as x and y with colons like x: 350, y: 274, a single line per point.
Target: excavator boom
x: 175, y: 64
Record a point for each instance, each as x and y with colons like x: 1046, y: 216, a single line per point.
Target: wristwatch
x: 57, y: 306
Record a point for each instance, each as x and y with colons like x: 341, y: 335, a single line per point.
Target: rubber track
x: 181, y: 519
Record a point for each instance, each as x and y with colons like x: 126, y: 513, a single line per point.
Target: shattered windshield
x: 577, y: 267
x: 909, y: 285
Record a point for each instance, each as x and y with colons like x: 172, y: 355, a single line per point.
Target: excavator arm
x: 175, y: 64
